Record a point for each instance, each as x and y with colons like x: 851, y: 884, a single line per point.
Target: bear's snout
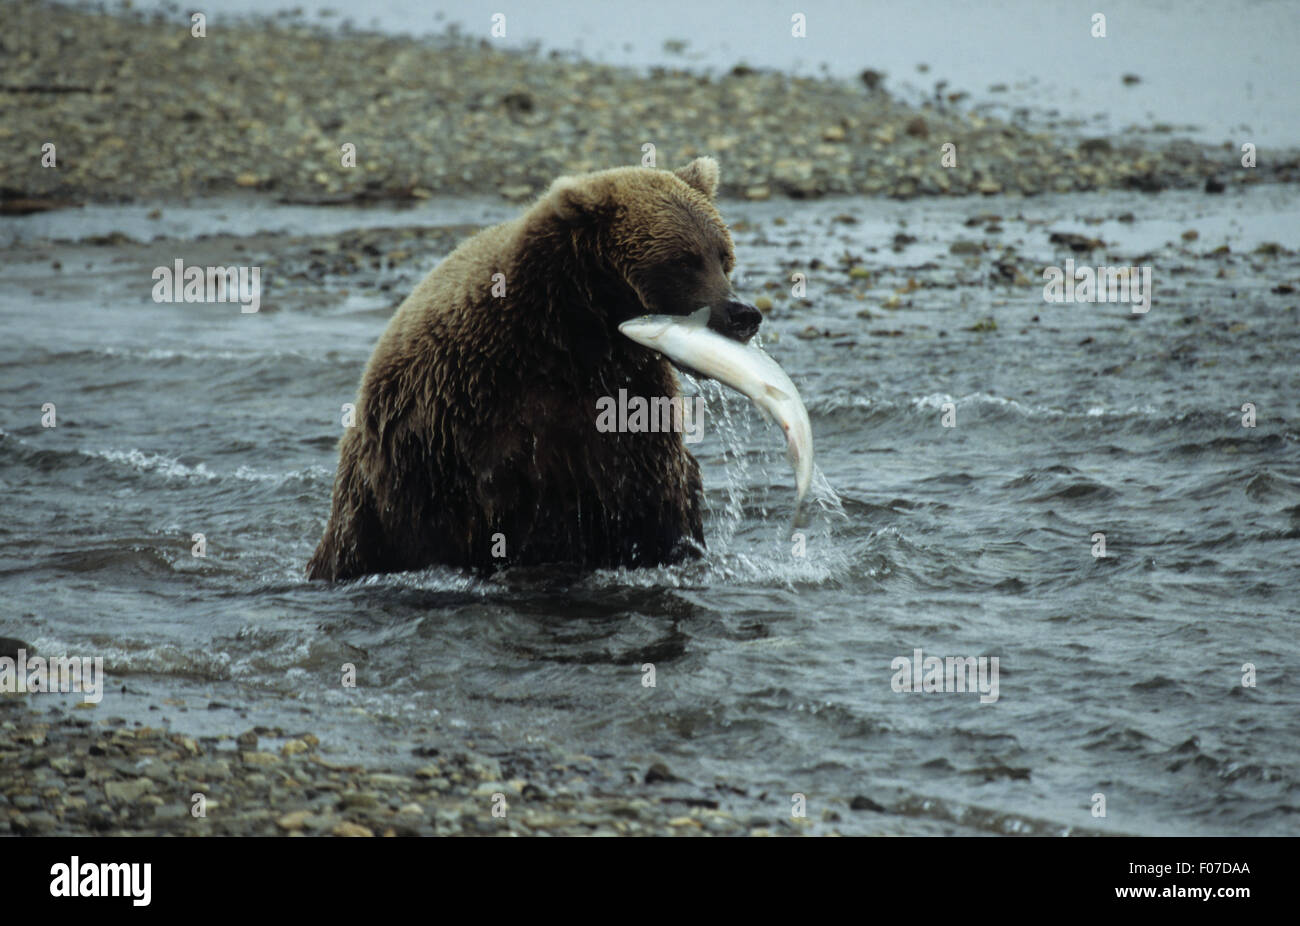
x: 738, y: 321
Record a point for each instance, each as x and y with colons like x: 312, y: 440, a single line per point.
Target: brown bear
x: 475, y: 442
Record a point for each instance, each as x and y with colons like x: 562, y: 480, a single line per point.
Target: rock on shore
x: 62, y: 773
x: 137, y: 107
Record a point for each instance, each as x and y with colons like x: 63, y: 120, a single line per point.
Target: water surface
x: 1119, y: 675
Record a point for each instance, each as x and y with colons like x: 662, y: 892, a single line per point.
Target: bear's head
x: 659, y: 244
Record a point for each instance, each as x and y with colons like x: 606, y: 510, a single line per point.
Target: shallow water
x: 1119, y: 675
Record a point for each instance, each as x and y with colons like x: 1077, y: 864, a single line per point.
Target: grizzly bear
x: 475, y: 442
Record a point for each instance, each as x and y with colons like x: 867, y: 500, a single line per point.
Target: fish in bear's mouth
x: 693, y: 344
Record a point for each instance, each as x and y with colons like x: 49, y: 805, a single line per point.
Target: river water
x: 1120, y: 676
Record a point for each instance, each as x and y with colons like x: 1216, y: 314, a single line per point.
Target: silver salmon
x: 744, y: 367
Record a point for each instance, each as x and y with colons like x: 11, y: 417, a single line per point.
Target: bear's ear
x: 572, y: 199
x: 702, y: 173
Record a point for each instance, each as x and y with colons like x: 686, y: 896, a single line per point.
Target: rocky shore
x: 137, y: 107
x: 75, y: 772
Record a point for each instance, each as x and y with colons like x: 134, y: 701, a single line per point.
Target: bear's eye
x: 688, y: 262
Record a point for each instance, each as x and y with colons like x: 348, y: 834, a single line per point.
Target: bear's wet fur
x: 475, y: 428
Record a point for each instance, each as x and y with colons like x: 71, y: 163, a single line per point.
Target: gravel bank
x: 140, y: 108
x: 77, y: 772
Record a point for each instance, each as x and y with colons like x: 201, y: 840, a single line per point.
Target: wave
x: 172, y: 468
x: 144, y: 462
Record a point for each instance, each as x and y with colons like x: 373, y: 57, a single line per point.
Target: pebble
x: 294, y: 821
x: 127, y: 792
